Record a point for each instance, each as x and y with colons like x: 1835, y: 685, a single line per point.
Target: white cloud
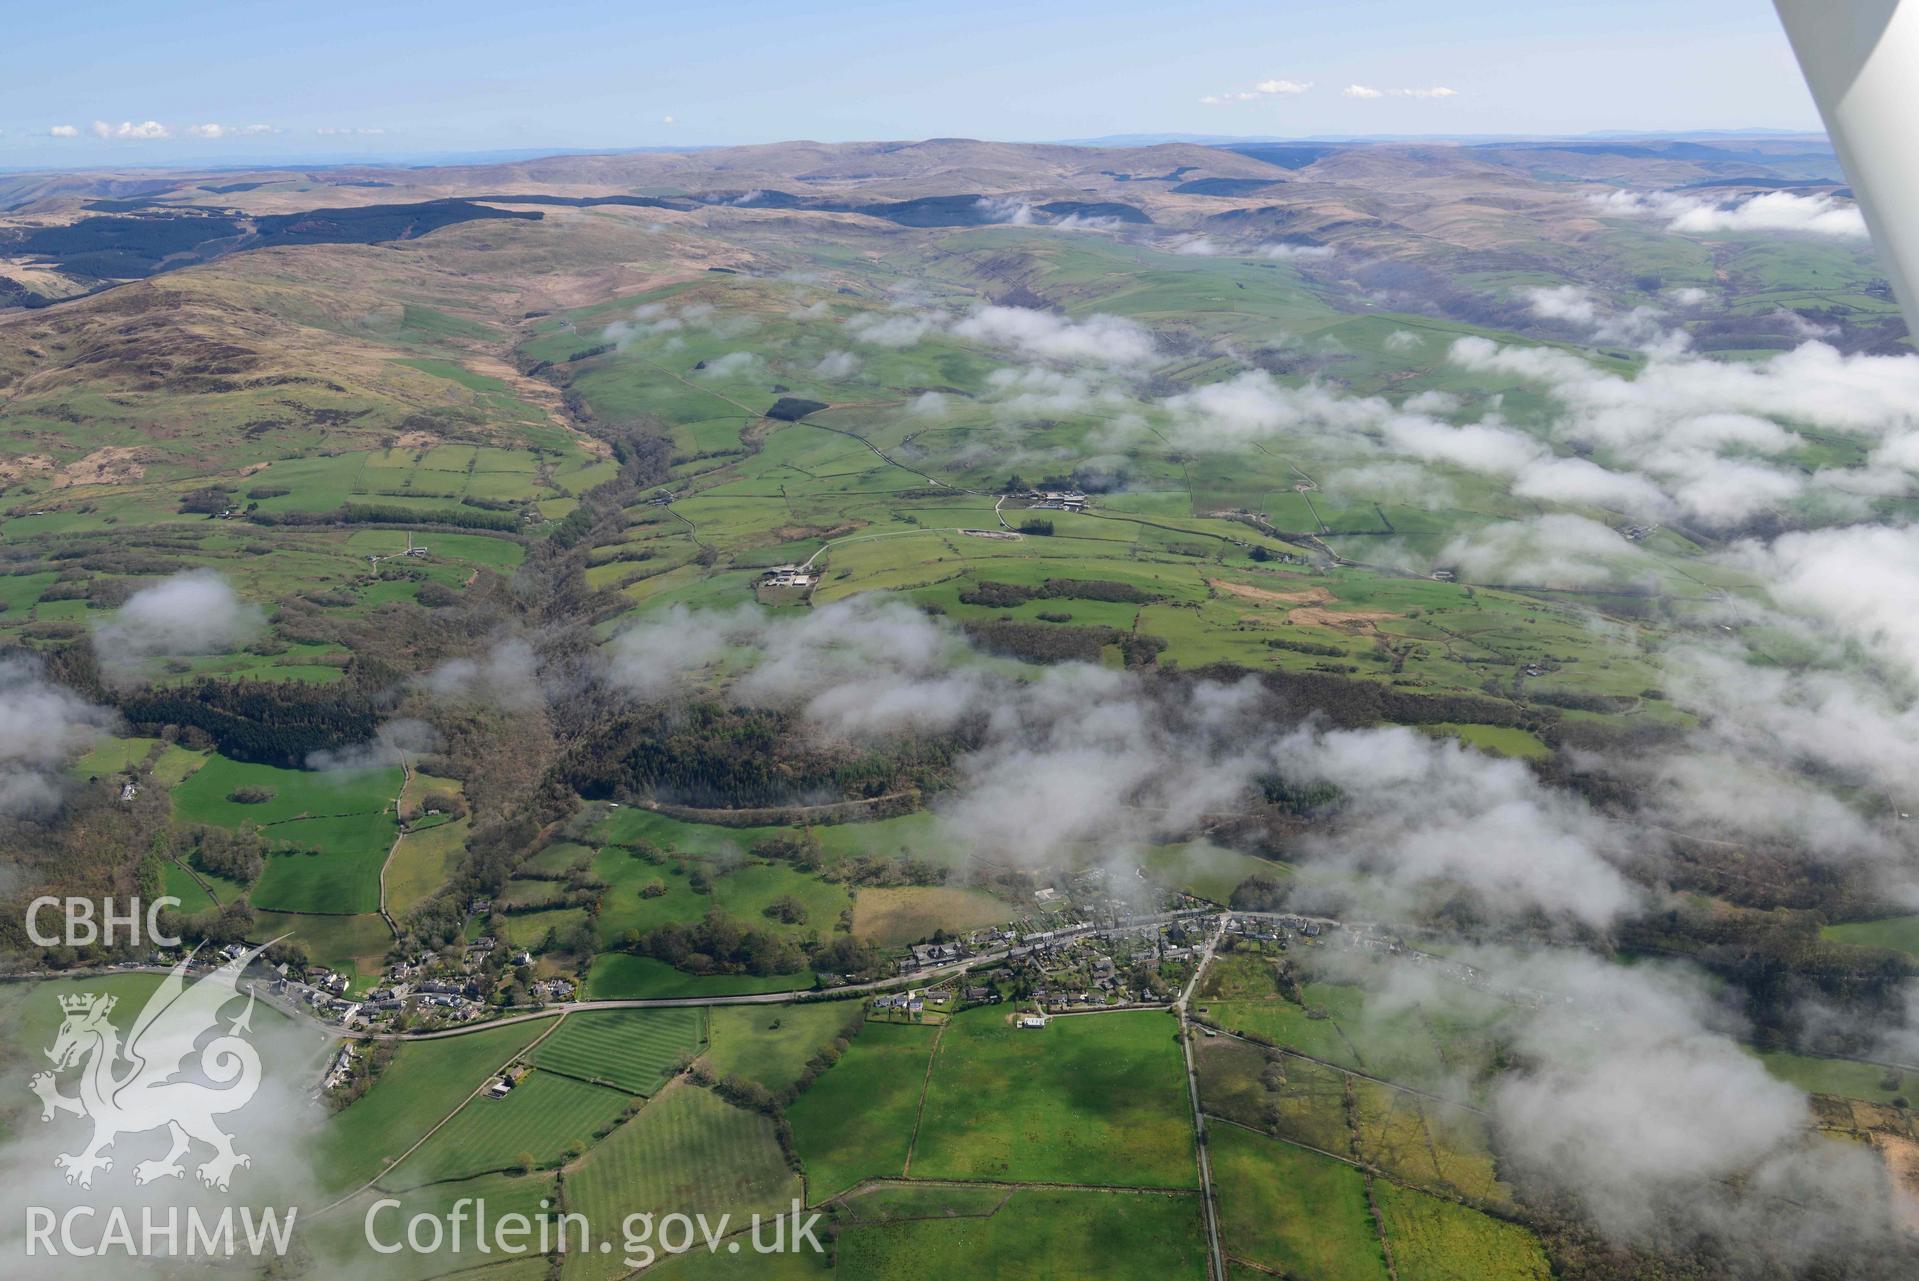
x: 835, y: 366
x: 1482, y: 447
x: 1579, y: 482
x: 1284, y: 252
x: 1010, y: 210
x: 1705, y: 428
x: 891, y: 329
x: 1575, y: 305
x: 1197, y: 247
x: 1631, y: 1097
x: 1254, y: 404
x: 1572, y: 303
x: 127, y: 130
x: 1420, y: 813
x: 42, y: 726
x: 1404, y: 340
x: 1545, y: 551
x: 216, y: 131
x: 731, y: 365
x: 1818, y: 213
x: 1368, y: 92
x: 1274, y: 88
x: 193, y: 612
x: 507, y: 675
x: 669, y: 120
x: 1033, y: 392
x: 1860, y: 580
x: 1043, y: 335
x: 64, y: 131
x: 337, y: 131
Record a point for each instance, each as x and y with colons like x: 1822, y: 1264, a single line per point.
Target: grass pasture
x: 1425, y: 1143
x: 540, y: 1118
x: 424, y: 1084
x: 893, y: 917
x: 1438, y: 1240
x: 686, y: 1151
x: 1844, y: 1078
x: 1293, y: 1212
x: 421, y: 862
x: 631, y: 1050
x: 339, y: 1241
x: 330, y: 830
x: 355, y: 945
x: 771, y: 1044
x: 856, y: 1122
x: 1037, y: 1235
x: 617, y: 975
x: 1098, y: 1099
x: 1898, y: 933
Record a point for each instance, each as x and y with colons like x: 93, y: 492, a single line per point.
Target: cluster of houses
x: 1059, y: 500
x: 1276, y: 929
x: 788, y: 576
x: 340, y: 1071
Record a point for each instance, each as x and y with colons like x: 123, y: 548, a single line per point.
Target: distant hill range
x: 71, y: 233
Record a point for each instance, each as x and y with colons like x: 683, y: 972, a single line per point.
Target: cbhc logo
x: 85, y: 926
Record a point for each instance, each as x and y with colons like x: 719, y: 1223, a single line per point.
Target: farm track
x: 441, y: 1124
x: 890, y: 461
x: 406, y: 776
x: 919, y: 1112
x: 1343, y: 1070
x: 1209, y: 1198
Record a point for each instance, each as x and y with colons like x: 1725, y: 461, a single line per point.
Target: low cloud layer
x: 1073, y: 758
x: 1817, y: 214
x: 43, y: 726
x: 1099, y: 339
x: 195, y: 612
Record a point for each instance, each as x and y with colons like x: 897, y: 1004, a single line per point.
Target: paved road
x: 919, y: 978
x: 1192, y: 1090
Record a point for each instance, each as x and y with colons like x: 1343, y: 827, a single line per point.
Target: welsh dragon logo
x: 140, y: 1086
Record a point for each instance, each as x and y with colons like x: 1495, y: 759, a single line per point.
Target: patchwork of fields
x: 631, y: 1050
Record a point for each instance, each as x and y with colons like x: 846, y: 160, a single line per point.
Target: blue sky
x: 422, y: 77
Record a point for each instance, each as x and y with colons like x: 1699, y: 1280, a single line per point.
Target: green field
x: 1899, y: 933
x: 331, y: 830
x: 856, y: 1122
x: 621, y: 974
x: 742, y: 891
x: 1437, y: 1240
x: 112, y: 755
x: 339, y: 1241
x: 421, y: 863
x: 1292, y: 1211
x: 685, y: 1152
x: 422, y: 1087
x: 631, y: 1050
x: 1095, y: 1099
x: 1845, y: 1078
x: 543, y: 1117
x: 1037, y: 1235
x: 291, y: 794
x: 894, y: 917
x: 771, y: 1044
x: 354, y: 945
